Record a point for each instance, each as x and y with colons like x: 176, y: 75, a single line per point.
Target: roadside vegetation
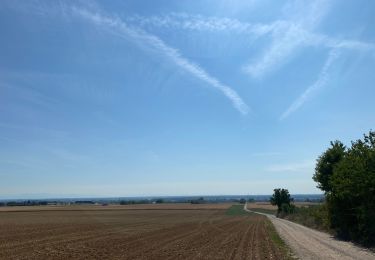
x: 281, y: 198
x: 261, y: 210
x: 236, y: 210
x: 277, y: 241
x: 313, y: 216
x: 347, y: 177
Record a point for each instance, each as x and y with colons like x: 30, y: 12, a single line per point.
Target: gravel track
x: 307, y: 243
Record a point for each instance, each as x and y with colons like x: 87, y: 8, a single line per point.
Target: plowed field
x: 205, y: 233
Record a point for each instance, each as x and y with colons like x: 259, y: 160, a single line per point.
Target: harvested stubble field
x: 148, y: 232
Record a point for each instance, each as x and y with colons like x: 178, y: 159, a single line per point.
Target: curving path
x: 307, y: 243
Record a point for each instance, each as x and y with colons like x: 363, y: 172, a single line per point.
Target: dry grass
x: 267, y: 205
x: 261, y: 205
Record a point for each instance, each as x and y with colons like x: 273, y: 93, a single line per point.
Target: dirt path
x: 307, y: 243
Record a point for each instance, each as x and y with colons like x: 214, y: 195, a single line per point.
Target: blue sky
x: 132, y: 98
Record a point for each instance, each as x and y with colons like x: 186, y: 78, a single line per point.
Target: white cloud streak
x: 265, y: 154
x: 319, y: 83
x: 286, y: 39
x: 287, y: 34
x: 202, y: 23
x: 278, y: 51
x: 183, y: 21
x: 291, y: 167
x: 173, y: 54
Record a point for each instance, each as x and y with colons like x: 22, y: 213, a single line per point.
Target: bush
x: 314, y: 216
x: 198, y: 201
x: 347, y: 175
x: 281, y: 198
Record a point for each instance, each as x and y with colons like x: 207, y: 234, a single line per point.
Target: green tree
x: 352, y: 200
x: 281, y: 198
x: 347, y: 176
x: 242, y: 201
x: 326, y: 164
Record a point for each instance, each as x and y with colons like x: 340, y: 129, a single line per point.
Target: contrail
x: 153, y: 41
x: 320, y: 82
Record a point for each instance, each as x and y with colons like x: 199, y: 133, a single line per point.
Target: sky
x: 156, y: 98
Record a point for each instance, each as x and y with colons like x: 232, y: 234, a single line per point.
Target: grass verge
x: 236, y: 210
x: 276, y: 239
x: 267, y: 211
x: 315, y: 217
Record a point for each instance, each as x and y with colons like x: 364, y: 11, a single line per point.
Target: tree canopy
x: 326, y: 164
x: 347, y: 176
x: 281, y: 198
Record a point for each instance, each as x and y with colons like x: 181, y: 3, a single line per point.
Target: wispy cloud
x: 295, y: 29
x: 287, y: 34
x: 291, y: 167
x: 281, y: 47
x: 142, y: 37
x: 193, y: 22
x: 287, y: 38
x: 319, y: 83
x: 30, y: 95
x: 265, y: 154
x: 55, y: 133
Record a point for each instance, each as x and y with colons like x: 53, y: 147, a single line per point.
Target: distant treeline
x: 199, y: 200
x: 148, y: 200
x: 132, y: 202
x: 192, y: 200
x: 87, y: 202
x: 43, y: 203
x: 26, y: 203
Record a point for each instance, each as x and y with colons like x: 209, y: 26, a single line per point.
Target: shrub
x: 347, y: 175
x: 281, y: 198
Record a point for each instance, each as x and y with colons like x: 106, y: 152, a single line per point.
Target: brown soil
x: 165, y: 206
x: 134, y: 234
